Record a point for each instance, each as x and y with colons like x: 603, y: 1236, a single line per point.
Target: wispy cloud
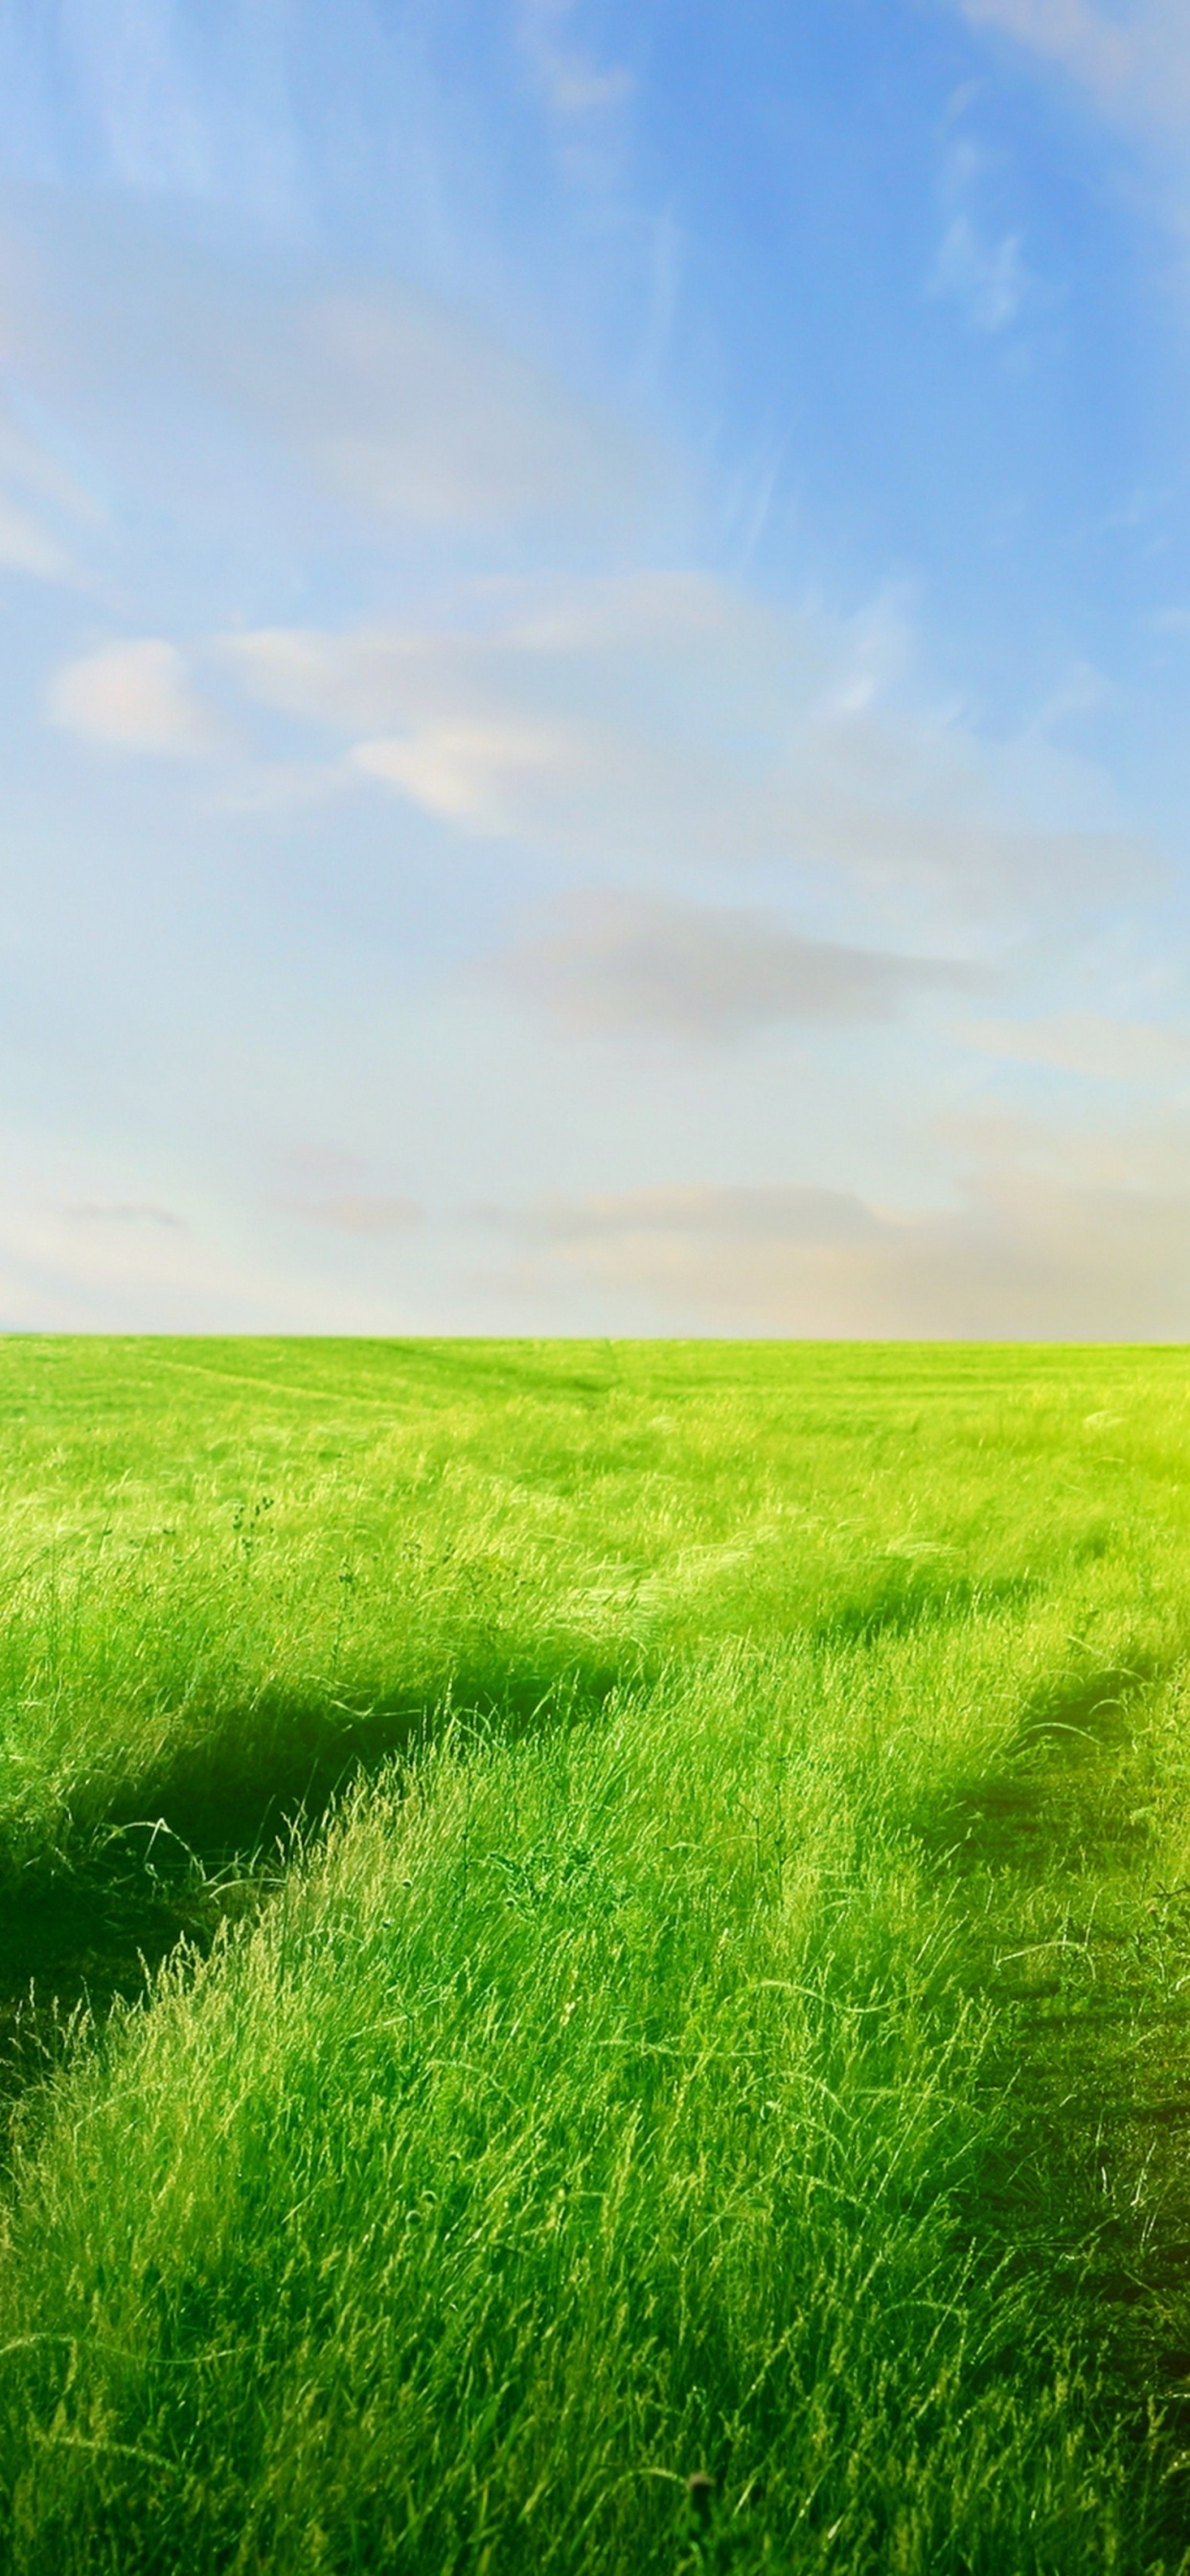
x: 706, y: 972
x: 354, y: 1212
x: 411, y: 409
x: 340, y: 1193
x: 1092, y: 1044
x: 976, y: 267
x: 986, y: 280
x: 27, y: 546
x: 136, y: 697
x: 1025, y: 1255
x: 728, y: 1214
x: 43, y: 507
x: 157, y: 99
x: 1137, y: 63
x: 684, y: 725
x: 124, y: 1212
x: 392, y: 400
x: 573, y: 82
x: 77, y: 1270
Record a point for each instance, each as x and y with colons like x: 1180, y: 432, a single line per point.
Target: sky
x: 594, y: 667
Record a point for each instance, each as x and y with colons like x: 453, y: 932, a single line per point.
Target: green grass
x: 576, y: 1915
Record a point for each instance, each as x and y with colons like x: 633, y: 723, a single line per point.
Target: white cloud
x: 135, y: 697
x: 669, y: 722
x: 622, y: 961
x: 471, y: 773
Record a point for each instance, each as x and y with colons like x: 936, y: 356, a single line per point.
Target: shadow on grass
x: 1045, y: 1800
x: 905, y: 1598
x: 249, y: 1773
x: 1092, y: 2188
x: 207, y: 1833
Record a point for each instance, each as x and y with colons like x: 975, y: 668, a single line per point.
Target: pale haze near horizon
x: 596, y: 620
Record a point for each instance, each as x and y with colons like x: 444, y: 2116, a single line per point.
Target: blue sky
x: 595, y: 606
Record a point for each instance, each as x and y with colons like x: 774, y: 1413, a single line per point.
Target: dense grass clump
x: 673, y: 2059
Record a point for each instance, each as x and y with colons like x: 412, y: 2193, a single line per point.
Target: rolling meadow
x: 594, y: 1958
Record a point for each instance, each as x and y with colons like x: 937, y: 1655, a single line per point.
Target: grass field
x: 581, y: 1917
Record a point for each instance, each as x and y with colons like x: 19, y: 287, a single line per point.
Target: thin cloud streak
x: 708, y: 973
x: 1089, y: 1043
x: 729, y: 1214
x: 355, y: 1213
x: 1025, y: 1257
x: 124, y: 1212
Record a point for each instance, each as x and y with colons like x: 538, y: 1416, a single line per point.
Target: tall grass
x: 713, y: 2038
x: 230, y: 1570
